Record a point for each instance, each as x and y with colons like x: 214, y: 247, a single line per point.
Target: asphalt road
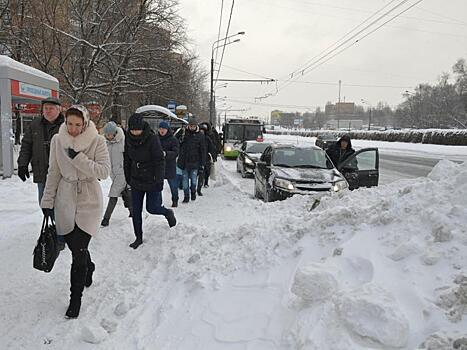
x: 395, y: 167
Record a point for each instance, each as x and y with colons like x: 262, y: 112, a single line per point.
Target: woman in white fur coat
x: 78, y: 158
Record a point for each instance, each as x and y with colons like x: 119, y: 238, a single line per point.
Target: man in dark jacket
x: 211, y: 154
x: 192, y: 158
x: 144, y: 167
x: 35, y: 145
x: 170, y: 146
x: 341, y: 150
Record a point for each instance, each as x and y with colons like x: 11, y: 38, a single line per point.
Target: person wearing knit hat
x: 192, y: 159
x: 171, y: 146
x: 144, y: 167
x: 136, y: 122
x: 116, y: 146
x: 78, y: 159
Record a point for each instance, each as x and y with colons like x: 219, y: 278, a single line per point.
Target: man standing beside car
x: 341, y: 150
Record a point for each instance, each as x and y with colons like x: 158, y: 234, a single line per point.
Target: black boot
x: 78, y: 279
x: 105, y: 222
x: 171, y: 218
x: 200, y: 193
x: 138, y: 241
x: 174, y: 203
x: 186, y: 199
x: 193, y: 195
x: 91, y: 268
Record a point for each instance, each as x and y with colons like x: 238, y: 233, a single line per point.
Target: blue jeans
x: 173, y: 184
x: 153, y: 206
x: 188, y: 175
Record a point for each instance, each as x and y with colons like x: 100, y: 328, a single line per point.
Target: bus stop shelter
x: 19, y: 84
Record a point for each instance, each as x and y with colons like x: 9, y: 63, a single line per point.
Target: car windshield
x: 301, y: 158
x: 256, y: 147
x: 241, y: 132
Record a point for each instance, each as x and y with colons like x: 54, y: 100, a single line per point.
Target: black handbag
x: 46, y: 250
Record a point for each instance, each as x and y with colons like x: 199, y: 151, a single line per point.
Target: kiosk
x: 19, y: 84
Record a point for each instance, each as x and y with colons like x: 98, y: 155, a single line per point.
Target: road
x: 395, y: 167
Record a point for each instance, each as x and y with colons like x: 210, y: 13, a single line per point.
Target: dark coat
x: 171, y: 147
x: 210, y: 149
x: 192, y: 151
x: 143, y: 161
x: 35, y: 146
x: 338, y: 155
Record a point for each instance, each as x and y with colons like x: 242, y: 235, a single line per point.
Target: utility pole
x: 211, y: 99
x: 369, y: 119
x: 338, y: 105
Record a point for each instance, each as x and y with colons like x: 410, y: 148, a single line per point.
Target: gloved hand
x: 48, y: 212
x: 23, y: 172
x: 72, y: 153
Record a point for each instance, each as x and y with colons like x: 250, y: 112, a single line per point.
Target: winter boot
x: 174, y: 203
x: 193, y: 195
x: 186, y: 199
x: 138, y: 241
x: 171, y: 218
x: 78, y: 279
x: 91, y: 268
x: 105, y: 222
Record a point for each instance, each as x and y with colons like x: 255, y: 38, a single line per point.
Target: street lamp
x: 212, y: 118
x: 369, y: 112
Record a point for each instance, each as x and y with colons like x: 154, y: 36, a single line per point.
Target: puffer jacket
x: 144, y: 163
x: 116, y: 147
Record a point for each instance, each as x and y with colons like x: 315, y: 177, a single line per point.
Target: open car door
x: 361, y: 169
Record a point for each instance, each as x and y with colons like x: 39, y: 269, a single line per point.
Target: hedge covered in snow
x: 456, y: 137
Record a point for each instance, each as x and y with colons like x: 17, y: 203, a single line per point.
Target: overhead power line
x: 319, y: 61
x: 225, y: 42
x: 220, y: 24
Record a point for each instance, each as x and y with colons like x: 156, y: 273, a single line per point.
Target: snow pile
x: 373, y: 268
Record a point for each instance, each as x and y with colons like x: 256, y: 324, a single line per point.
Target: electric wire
x: 225, y: 42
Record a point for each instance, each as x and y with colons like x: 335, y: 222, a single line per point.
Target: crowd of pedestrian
x: 69, y: 157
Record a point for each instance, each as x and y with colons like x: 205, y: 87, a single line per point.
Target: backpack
x: 46, y: 250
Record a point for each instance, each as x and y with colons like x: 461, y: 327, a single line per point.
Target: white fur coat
x: 72, y: 185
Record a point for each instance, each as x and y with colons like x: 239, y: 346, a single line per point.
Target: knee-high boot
x: 78, y: 274
x: 91, y: 267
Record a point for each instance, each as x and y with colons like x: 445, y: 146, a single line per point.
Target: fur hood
x: 119, y: 137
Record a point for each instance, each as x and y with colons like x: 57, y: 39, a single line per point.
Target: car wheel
x: 242, y: 171
x: 268, y: 196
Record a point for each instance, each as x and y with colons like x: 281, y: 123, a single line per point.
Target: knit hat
x: 192, y: 121
x: 110, y: 128
x: 164, y: 125
x: 78, y: 110
x: 136, y: 122
x: 51, y: 100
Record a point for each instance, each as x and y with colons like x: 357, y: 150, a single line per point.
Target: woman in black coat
x: 170, y: 146
x: 144, y: 167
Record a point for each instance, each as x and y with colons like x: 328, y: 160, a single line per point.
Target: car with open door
x: 249, y: 154
x: 286, y: 170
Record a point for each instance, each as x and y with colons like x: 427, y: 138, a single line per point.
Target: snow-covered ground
x: 378, y: 268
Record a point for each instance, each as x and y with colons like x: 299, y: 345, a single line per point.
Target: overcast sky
x: 283, y: 35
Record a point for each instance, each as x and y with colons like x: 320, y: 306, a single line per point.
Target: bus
x: 235, y: 131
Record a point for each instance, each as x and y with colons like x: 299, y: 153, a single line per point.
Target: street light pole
x: 369, y: 112
x: 212, y: 117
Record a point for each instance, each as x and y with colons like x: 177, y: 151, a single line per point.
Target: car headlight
x: 285, y: 184
x: 227, y: 149
x: 339, y: 186
x: 248, y: 160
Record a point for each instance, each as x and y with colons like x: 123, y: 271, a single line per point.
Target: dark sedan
x: 326, y: 140
x: 285, y: 170
x: 250, y: 152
